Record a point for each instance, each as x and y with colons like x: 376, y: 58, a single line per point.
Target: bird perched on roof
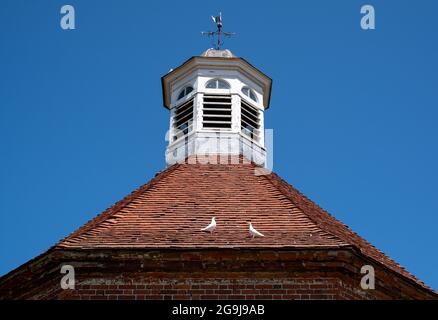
x: 253, y: 232
x: 210, y: 228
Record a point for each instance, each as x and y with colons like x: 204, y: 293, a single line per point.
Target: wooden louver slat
x: 217, y: 112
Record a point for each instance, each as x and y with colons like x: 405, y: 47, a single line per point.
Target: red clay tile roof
x: 170, y: 210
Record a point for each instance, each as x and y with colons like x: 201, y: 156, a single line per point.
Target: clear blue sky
x: 354, y: 112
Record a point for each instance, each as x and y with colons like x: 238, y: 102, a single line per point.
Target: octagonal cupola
x: 217, y: 103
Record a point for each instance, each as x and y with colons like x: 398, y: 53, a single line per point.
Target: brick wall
x: 221, y: 289
x: 206, y: 274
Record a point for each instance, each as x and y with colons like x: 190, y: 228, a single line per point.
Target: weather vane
x: 218, y: 32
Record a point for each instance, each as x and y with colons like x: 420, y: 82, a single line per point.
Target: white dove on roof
x: 210, y: 228
x: 253, y: 232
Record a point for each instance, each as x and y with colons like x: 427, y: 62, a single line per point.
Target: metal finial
x: 218, y: 32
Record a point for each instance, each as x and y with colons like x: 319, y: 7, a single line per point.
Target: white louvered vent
x: 217, y: 112
x: 250, y: 121
x: 183, y: 120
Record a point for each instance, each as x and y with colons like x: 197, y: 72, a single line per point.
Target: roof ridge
x: 116, y: 207
x: 312, y: 220
x: 313, y: 210
x: 309, y: 202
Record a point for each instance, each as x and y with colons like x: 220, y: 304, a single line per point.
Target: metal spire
x: 218, y: 32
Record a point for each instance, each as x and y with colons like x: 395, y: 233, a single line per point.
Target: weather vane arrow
x: 218, y: 32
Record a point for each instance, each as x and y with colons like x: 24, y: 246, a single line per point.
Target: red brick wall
x: 206, y: 274
x: 222, y: 289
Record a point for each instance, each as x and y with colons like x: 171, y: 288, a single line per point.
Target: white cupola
x: 217, y: 103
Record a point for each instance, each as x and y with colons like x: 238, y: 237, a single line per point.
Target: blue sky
x: 354, y: 112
